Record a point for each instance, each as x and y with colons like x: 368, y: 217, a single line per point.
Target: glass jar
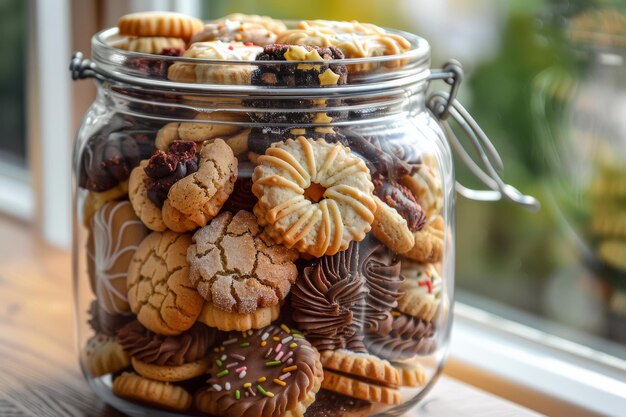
x: 205, y: 211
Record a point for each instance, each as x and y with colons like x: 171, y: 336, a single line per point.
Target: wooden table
x: 39, y: 373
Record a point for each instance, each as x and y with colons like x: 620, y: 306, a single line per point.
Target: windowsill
x: 538, y: 370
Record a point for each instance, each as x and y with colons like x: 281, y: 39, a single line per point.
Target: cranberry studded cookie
x: 182, y: 189
x: 243, y: 276
x: 314, y: 196
x: 271, y: 372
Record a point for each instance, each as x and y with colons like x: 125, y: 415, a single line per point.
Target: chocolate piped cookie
x: 167, y: 358
x: 327, y: 299
x: 270, y: 372
x: 409, y: 336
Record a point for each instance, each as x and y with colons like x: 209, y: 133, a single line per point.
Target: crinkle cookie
x: 237, y: 31
x: 214, y: 73
x: 181, y: 189
x: 236, y: 268
x: 314, y: 196
x: 159, y: 290
x: 163, y: 24
x: 269, y: 372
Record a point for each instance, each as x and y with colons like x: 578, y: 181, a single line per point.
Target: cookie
x: 154, y: 393
x: 409, y: 336
x: 325, y: 300
x: 242, y: 197
x: 421, y: 290
x: 160, y: 24
x: 391, y: 228
x: 169, y: 373
x: 333, y: 26
x: 103, y: 323
x: 236, y: 268
x: 197, y: 131
x: 412, y: 374
x: 94, y: 201
x: 261, y: 138
x: 182, y: 190
x: 237, y: 31
x: 109, y: 155
x: 299, y: 75
x: 228, y: 321
x: 103, y: 355
x: 316, y: 196
x: 273, y: 25
x: 149, y: 45
x: 429, y: 242
x: 167, y: 358
x: 115, y: 232
x: 360, y: 376
x: 214, y: 73
x: 159, y: 290
x: 425, y: 185
x: 351, y: 44
x: 381, y: 270
x: 263, y: 373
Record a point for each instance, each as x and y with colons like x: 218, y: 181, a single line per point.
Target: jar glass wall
x: 281, y: 248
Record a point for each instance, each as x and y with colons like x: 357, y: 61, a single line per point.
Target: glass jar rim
x: 110, y: 63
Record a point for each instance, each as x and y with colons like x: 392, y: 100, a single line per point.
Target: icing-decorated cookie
x: 114, y: 234
x: 421, y: 290
x: 262, y: 373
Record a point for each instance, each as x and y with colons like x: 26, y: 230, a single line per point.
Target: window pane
x: 551, y: 103
x: 12, y: 81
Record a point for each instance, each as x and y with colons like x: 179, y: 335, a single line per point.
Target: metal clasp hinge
x: 82, y: 68
x: 451, y: 74
x: 443, y: 105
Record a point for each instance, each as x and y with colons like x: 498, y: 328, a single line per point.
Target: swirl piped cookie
x: 313, y: 196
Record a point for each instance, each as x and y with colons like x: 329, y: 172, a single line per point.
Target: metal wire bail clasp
x: 81, y: 67
x: 443, y: 105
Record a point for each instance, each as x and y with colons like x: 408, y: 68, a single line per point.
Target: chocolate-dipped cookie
x: 111, y: 153
x: 271, y: 372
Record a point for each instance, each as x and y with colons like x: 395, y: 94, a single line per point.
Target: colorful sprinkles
x: 279, y: 354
